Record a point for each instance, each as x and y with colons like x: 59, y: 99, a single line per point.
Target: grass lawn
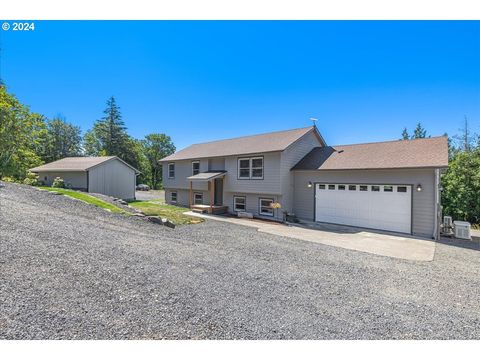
x: 87, y: 198
x: 172, y: 213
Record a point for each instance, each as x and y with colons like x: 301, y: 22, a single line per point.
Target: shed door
x: 384, y: 207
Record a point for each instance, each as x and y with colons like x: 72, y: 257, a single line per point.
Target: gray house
x: 107, y: 175
x: 391, y: 185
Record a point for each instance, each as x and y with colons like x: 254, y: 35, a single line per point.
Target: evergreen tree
x: 419, y: 132
x: 405, y: 135
x: 108, y: 135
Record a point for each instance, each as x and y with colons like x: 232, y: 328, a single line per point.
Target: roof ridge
x: 253, y: 135
x: 392, y: 141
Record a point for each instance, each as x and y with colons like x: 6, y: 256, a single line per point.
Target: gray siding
x: 423, y: 202
x: 252, y: 203
x: 216, y: 164
x: 270, y: 184
x: 183, y: 169
x: 73, y: 179
x: 289, y: 158
x: 112, y: 178
x: 182, y: 196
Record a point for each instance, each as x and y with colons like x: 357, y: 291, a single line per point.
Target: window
x: 257, y: 168
x: 250, y: 168
x: 265, y: 208
x: 388, y: 188
x: 363, y: 188
x: 195, y: 167
x: 352, y: 187
x: 341, y: 187
x: 244, y: 168
x: 173, y: 197
x: 331, y: 187
x: 197, y: 198
x: 171, y: 170
x: 321, y: 187
x: 402, y: 189
x: 375, y: 188
x: 239, y: 203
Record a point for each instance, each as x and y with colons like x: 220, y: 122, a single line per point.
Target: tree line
x: 29, y: 139
x: 461, y: 182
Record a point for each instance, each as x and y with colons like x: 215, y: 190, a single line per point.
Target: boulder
x: 155, y: 219
x: 168, y: 223
x: 139, y: 214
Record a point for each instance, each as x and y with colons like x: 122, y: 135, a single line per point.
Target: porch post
x: 212, y: 189
x: 190, y: 195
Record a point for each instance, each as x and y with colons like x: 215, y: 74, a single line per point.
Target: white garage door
x: 385, y: 207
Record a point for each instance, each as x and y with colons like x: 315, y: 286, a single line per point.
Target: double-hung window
x: 198, y: 198
x: 265, y: 207
x: 195, y: 167
x: 239, y: 203
x: 250, y: 168
x: 171, y: 170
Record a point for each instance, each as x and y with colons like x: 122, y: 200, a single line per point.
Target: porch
x: 214, y: 180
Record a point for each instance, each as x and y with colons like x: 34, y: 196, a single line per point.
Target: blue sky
x: 200, y: 81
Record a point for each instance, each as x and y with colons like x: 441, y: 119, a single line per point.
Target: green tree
x: 21, y: 134
x: 156, y: 147
x: 419, y: 132
x: 62, y: 140
x: 405, y: 135
x: 461, y: 186
x: 108, y: 135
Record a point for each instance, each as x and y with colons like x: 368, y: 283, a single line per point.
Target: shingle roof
x: 419, y: 153
x: 76, y: 163
x: 209, y: 175
x: 274, y: 141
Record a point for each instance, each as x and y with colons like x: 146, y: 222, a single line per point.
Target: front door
x: 218, y: 195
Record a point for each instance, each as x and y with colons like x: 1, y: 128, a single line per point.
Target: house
x: 107, y: 175
x: 392, y: 185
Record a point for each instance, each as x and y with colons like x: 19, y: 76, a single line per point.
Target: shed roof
x: 418, y: 153
x: 269, y: 142
x: 205, y: 176
x: 77, y: 164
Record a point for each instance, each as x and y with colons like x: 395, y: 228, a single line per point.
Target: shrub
x: 58, y: 183
x: 8, y: 179
x: 31, y: 179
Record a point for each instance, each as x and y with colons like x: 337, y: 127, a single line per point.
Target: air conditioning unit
x: 447, y: 222
x: 462, y: 230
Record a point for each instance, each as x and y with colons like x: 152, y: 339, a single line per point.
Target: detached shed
x: 107, y: 175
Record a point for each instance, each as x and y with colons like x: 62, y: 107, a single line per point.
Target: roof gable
x: 77, y: 163
x: 418, y: 153
x: 261, y: 143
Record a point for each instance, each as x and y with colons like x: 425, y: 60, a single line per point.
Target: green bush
x: 31, y: 179
x: 58, y: 183
x: 8, y: 179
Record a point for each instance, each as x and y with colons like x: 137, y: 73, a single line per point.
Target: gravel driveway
x: 72, y: 271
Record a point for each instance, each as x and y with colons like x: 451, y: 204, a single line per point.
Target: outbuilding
x: 108, y: 175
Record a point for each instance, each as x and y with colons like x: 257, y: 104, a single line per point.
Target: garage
x: 375, y: 206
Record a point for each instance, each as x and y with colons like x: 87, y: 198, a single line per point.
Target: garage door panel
x: 371, y: 209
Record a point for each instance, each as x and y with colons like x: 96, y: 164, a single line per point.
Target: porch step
x: 200, y: 211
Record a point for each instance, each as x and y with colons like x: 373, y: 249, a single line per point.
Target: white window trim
x: 250, y: 168
x: 194, y: 198
x: 168, y: 169
x: 196, y: 162
x: 235, y: 197
x: 171, y: 197
x: 272, y: 214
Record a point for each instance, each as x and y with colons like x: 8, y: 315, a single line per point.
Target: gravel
x: 72, y: 271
